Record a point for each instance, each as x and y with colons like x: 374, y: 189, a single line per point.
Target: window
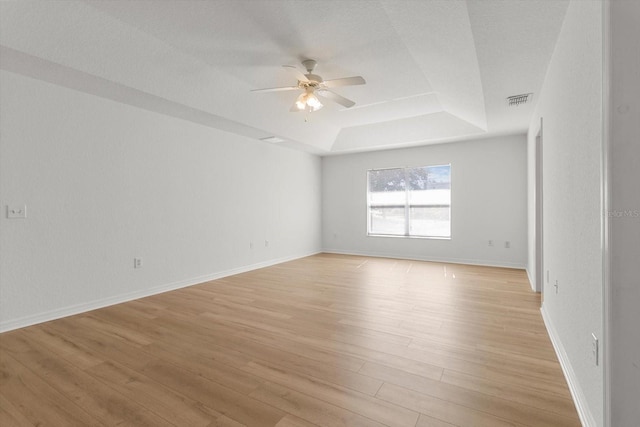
x: 411, y: 202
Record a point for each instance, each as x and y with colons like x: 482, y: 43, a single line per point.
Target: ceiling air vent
x: 272, y: 139
x: 516, y: 100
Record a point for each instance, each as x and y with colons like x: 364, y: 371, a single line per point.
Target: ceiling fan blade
x: 299, y: 74
x: 275, y: 89
x: 336, y: 98
x: 346, y: 81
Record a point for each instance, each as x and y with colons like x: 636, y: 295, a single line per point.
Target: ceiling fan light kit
x: 314, y: 86
x: 308, y: 101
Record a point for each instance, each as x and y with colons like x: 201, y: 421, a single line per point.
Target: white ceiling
x: 436, y: 71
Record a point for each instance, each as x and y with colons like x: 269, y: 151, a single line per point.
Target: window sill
x: 409, y: 237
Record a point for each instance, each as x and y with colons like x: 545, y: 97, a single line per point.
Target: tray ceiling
x: 436, y: 71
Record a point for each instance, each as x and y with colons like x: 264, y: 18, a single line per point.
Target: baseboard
x: 531, y: 281
x: 118, y: 299
x: 485, y: 263
x: 574, y: 387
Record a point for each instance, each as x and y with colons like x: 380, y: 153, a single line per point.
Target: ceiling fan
x: 315, y: 88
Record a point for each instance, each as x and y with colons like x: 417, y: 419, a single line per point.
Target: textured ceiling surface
x: 436, y: 71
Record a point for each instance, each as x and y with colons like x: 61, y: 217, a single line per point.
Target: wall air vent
x: 516, y: 100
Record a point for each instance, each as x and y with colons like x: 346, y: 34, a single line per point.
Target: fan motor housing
x: 309, y: 64
x: 314, y: 78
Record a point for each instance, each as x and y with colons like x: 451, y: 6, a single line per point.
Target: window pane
x: 430, y: 221
x: 430, y: 201
x: 386, y: 220
x: 387, y: 201
x: 386, y: 180
x: 418, y: 178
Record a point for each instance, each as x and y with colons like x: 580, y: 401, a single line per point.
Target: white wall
x: 488, y: 202
x: 624, y: 221
x: 570, y: 104
x: 105, y: 182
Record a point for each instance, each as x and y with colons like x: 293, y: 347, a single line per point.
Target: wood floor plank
x: 207, y: 366
x: 228, y: 402
x: 367, y: 406
x: 10, y: 415
x: 247, y: 351
x: 22, y: 388
x: 440, y: 409
x: 84, y: 390
x: 348, y: 350
x: 503, y: 408
x: 310, y: 409
x: 224, y: 421
x: 171, y: 406
x: 105, y: 346
x: 552, y: 403
x: 427, y: 421
x: 291, y: 421
x: 63, y: 347
x: 483, y: 364
x: 107, y: 328
x: 252, y: 340
x: 327, y: 340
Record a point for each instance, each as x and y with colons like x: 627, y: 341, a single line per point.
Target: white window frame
x: 407, y: 206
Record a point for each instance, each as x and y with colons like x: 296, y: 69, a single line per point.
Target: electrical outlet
x: 507, y: 244
x: 490, y: 242
x: 595, y: 349
x: 137, y: 263
x: 17, y: 212
x: 556, y: 286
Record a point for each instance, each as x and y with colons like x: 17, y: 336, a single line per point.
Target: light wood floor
x: 326, y: 340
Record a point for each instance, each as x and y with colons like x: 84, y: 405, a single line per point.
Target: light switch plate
x: 16, y: 211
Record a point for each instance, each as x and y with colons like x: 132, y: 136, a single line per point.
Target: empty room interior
x: 320, y: 213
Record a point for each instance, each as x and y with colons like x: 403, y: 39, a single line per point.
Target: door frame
x: 539, y: 212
